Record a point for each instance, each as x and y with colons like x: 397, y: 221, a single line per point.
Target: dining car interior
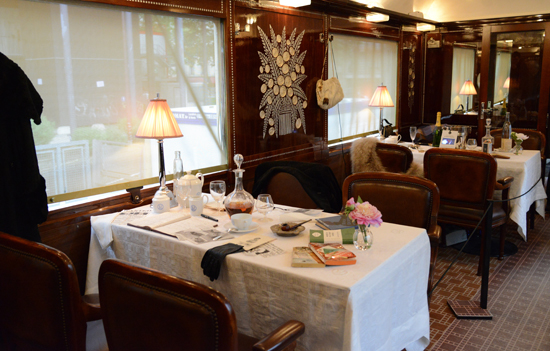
x: 344, y: 175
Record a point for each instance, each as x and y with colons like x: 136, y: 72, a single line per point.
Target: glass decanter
x: 239, y: 201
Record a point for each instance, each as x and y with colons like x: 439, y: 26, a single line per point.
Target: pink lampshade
x: 506, y: 83
x: 158, y: 122
x: 468, y: 88
x: 381, y: 98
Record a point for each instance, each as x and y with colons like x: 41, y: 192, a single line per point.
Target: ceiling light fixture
x: 425, y: 27
x: 377, y: 17
x: 295, y: 3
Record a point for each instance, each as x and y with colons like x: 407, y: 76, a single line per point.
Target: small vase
x: 362, y: 238
x: 518, y: 150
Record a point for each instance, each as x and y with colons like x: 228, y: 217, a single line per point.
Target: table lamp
x: 468, y: 89
x: 381, y: 98
x: 159, y: 123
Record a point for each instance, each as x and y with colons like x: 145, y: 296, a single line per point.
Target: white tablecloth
x: 525, y: 168
x: 380, y: 303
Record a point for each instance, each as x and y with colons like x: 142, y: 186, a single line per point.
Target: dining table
x: 526, y: 170
x: 378, y: 303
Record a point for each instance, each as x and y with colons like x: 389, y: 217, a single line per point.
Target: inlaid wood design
x: 281, y: 74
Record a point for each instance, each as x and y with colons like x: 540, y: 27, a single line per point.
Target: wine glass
x: 412, y: 132
x: 217, y: 190
x: 471, y: 144
x: 264, y: 205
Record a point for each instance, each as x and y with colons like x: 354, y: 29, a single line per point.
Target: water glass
x: 471, y: 144
x: 264, y: 205
x: 217, y: 190
x: 412, y: 132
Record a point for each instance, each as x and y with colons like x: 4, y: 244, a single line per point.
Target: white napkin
x: 101, y: 226
x: 293, y: 217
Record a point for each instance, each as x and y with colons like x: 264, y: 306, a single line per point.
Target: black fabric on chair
x: 317, y: 180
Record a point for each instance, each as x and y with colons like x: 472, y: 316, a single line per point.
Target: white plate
x: 253, y: 227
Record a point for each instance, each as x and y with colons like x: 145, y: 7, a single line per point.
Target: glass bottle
x: 506, y: 143
x: 239, y: 201
x: 503, y: 110
x: 438, y: 131
x: 487, y: 141
x: 178, y: 173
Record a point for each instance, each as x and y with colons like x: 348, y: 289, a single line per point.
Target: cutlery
x: 285, y: 227
x: 221, y: 236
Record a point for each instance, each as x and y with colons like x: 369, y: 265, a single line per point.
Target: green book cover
x: 341, y: 236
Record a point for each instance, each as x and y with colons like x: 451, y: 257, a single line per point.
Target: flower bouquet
x: 364, y: 215
x: 518, y: 138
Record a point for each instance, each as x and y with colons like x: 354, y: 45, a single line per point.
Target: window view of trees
x: 96, y: 68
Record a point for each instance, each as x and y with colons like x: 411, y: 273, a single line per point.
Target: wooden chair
x: 536, y: 141
x: 144, y: 309
x: 393, y: 158
x: 299, y: 184
x: 401, y: 199
x: 466, y: 181
x: 40, y: 303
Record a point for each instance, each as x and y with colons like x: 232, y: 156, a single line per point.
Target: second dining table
x: 379, y: 303
x: 526, y: 170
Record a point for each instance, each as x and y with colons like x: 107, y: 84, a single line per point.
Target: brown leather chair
x: 144, y: 309
x: 536, y: 141
x: 285, y: 189
x: 401, y: 199
x: 466, y: 181
x: 299, y: 184
x: 395, y: 158
x: 40, y: 303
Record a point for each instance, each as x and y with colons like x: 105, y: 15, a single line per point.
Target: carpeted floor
x: 519, y: 298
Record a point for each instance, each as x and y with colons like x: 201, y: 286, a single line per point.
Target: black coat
x: 23, y: 203
x: 317, y: 180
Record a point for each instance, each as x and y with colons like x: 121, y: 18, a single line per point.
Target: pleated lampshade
x: 158, y: 122
x: 468, y: 88
x: 381, y: 97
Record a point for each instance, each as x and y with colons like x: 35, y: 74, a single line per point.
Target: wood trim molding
x: 363, y: 28
x: 198, y: 7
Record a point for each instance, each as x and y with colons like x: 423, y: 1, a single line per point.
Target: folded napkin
x: 101, y: 226
x: 212, y: 260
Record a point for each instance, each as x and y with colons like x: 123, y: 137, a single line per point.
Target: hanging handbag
x: 329, y: 92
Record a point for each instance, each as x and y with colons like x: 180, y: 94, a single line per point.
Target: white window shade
x: 362, y: 65
x: 99, y: 66
x: 463, y: 70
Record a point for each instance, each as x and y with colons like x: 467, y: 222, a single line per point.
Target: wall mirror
x: 515, y: 74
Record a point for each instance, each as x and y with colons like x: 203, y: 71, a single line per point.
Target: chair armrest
x: 281, y: 337
x: 91, y: 307
x: 434, y: 234
x: 504, y: 183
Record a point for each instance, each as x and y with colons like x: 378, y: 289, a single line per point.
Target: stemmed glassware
x: 412, y: 132
x: 217, y: 190
x: 264, y: 205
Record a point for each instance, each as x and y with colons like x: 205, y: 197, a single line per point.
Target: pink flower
x: 364, y: 213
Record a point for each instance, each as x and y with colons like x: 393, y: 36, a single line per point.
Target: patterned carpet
x: 519, y: 297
